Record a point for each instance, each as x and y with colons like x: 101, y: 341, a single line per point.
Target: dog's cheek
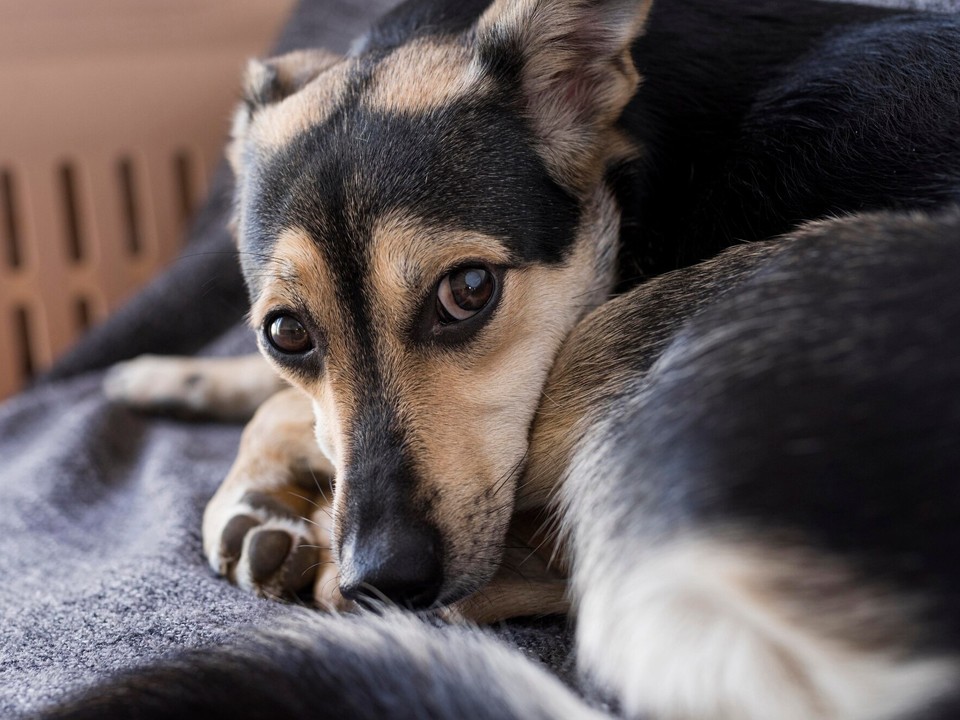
x: 472, y: 441
x: 323, y: 433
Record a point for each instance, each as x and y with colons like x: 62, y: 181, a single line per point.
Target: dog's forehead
x: 461, y: 160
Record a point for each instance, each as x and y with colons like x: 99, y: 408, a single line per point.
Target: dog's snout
x: 400, y: 564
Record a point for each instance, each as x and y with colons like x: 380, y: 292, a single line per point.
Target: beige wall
x: 112, y: 116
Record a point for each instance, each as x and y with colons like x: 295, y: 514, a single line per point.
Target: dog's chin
x: 465, y: 582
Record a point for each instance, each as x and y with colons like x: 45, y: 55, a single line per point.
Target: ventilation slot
x: 9, y: 222
x: 82, y: 314
x: 129, y: 205
x: 183, y: 176
x: 21, y: 329
x: 71, y: 212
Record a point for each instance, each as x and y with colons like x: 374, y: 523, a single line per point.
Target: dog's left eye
x: 463, y: 293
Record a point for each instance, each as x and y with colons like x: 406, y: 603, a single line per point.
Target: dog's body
x: 751, y: 459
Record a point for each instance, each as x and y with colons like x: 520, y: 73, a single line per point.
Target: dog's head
x: 420, y: 227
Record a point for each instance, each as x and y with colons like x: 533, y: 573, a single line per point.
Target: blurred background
x: 113, y: 116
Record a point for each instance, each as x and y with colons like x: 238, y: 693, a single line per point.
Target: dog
x: 432, y: 228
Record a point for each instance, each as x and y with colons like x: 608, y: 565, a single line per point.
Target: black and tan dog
x: 753, y: 457
x: 757, y: 461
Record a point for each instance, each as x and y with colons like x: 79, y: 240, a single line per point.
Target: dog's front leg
x: 268, y: 526
x: 225, y: 388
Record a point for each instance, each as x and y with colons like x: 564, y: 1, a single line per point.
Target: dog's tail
x: 355, y: 667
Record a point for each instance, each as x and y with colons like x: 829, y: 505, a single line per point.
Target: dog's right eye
x: 288, y: 335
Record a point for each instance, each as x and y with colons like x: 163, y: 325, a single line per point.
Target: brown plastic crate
x: 112, y: 115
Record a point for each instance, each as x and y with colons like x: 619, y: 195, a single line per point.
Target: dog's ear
x: 269, y: 81
x: 571, y: 60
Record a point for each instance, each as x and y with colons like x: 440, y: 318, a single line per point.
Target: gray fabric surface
x: 100, y: 556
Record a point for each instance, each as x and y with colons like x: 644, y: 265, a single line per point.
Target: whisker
x: 316, y: 565
x: 304, y: 498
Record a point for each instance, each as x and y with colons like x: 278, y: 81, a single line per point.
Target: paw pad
x: 267, y: 547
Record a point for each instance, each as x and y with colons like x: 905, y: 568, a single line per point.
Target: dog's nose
x: 402, y: 565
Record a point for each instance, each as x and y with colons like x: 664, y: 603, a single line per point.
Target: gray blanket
x: 100, y: 557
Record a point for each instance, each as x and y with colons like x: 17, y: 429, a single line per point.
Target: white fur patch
x: 697, y: 630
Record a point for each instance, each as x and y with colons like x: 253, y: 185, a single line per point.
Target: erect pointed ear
x: 267, y: 82
x: 270, y: 81
x: 572, y: 62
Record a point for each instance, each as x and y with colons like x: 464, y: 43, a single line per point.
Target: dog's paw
x: 228, y: 388
x: 160, y: 384
x: 268, y: 547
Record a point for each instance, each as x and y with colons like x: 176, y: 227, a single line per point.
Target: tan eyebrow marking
x: 423, y: 75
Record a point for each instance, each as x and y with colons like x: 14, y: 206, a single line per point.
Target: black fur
x: 814, y: 393
x: 760, y: 114
x: 869, y: 120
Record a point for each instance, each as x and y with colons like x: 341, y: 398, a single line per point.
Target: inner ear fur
x: 575, y: 71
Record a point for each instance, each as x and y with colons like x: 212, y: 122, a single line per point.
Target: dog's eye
x: 288, y: 335
x: 463, y: 293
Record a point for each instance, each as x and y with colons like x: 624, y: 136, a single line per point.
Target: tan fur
x: 531, y: 579
x: 422, y: 75
x: 407, y: 256
x: 279, y: 77
x: 279, y: 459
x: 309, y: 86
x: 592, y: 366
x: 299, y: 277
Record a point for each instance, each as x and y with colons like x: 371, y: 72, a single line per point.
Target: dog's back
x: 758, y: 115
x: 764, y: 486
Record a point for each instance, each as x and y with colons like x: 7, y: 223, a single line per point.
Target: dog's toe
x: 268, y: 551
x: 276, y: 562
x: 265, y: 546
x: 231, y: 542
